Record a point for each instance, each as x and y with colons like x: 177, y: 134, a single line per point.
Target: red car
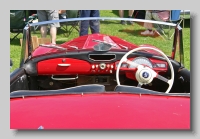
x: 102, y: 81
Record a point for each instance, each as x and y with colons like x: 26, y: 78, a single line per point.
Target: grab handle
x: 52, y: 77
x: 64, y: 65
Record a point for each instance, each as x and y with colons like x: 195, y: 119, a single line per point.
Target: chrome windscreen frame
x: 27, y: 46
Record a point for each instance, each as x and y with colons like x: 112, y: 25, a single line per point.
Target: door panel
x: 18, y: 80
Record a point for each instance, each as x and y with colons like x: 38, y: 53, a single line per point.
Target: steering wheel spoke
x: 139, y: 84
x: 131, y: 63
x: 162, y: 78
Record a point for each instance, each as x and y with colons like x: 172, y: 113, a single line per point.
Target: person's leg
x: 148, y: 26
x: 43, y: 31
x: 42, y: 16
x: 148, y: 16
x: 84, y: 25
x: 53, y: 15
x: 121, y: 14
x: 94, y: 24
x: 53, y: 33
x: 130, y: 14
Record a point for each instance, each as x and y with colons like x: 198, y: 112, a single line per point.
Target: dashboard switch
x: 93, y: 67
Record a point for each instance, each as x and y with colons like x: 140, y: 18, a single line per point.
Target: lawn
x: 114, y: 28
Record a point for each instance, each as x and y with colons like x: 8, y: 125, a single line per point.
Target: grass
x: 128, y: 33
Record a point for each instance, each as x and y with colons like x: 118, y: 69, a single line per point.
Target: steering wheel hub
x: 143, y: 75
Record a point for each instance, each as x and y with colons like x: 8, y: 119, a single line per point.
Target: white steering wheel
x: 144, y: 74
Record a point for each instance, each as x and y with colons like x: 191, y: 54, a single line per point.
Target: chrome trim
x: 64, y: 78
x: 24, y: 50
x: 64, y: 65
x: 75, y: 47
x: 102, y: 18
x: 125, y: 47
x: 104, y: 42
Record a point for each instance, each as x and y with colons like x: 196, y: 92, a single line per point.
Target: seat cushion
x: 133, y: 89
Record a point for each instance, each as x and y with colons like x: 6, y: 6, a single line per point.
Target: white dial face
x: 141, y: 61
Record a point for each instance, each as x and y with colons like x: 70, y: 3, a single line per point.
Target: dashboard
x: 59, y: 66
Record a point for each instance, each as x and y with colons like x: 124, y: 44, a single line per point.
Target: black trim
x: 78, y: 89
x: 93, y: 89
x: 18, y: 80
x: 16, y: 74
x: 138, y: 90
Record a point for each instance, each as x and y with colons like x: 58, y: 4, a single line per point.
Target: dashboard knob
x: 93, y: 66
x: 112, y: 66
x: 102, y: 66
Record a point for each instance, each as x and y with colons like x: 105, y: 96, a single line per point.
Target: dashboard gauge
x: 123, y: 65
x: 159, y: 65
x: 142, y: 61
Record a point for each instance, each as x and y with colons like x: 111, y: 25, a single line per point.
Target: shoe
x: 123, y: 22
x: 147, y: 33
x: 130, y: 22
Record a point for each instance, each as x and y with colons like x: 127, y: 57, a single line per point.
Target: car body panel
x: 100, y: 111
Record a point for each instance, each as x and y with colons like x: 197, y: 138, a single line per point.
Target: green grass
x: 127, y: 32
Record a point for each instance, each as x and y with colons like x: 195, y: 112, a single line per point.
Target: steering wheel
x: 144, y: 74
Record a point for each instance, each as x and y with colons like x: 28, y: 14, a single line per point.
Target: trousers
x: 93, y: 24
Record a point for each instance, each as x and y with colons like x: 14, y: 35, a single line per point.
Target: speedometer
x: 142, y: 61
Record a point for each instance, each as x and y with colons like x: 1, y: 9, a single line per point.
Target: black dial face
x: 141, y: 61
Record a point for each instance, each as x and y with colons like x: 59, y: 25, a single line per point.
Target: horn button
x: 143, y: 75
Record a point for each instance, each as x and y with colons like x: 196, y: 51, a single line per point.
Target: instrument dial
x: 142, y: 61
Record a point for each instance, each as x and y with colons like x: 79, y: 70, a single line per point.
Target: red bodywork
x: 86, y: 42
x: 100, y: 111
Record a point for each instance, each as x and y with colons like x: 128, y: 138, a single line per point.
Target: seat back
x: 175, y: 15
x: 77, y: 89
x: 133, y: 89
x: 70, y: 26
x: 17, y: 19
x: 71, y: 13
x: 174, y: 18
